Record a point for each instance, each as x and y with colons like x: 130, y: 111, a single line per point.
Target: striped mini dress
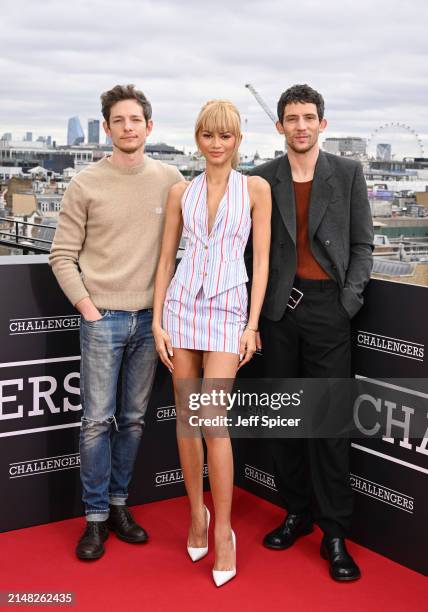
x: 206, y: 303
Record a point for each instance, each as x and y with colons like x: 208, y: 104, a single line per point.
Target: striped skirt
x: 205, y: 324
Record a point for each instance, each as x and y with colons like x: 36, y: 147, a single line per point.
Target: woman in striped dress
x: 200, y: 316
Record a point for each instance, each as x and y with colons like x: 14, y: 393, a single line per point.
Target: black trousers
x: 312, y: 341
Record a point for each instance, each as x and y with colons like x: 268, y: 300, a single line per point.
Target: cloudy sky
x: 367, y: 57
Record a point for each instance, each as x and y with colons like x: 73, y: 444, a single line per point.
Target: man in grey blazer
x: 320, y: 263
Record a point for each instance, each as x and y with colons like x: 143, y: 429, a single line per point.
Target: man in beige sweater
x: 104, y: 257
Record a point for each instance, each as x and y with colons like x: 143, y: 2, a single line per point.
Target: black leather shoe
x: 91, y: 544
x: 342, y: 566
x: 284, y: 536
x: 122, y: 523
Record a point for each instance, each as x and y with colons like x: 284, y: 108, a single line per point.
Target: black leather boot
x: 122, y: 523
x: 284, y: 536
x: 342, y: 566
x: 91, y: 544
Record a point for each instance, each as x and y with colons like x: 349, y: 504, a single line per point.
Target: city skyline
x: 366, y: 63
x: 374, y: 148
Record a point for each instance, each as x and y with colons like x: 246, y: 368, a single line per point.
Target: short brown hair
x: 124, y: 92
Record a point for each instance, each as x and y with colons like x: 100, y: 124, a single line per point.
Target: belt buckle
x: 293, y: 302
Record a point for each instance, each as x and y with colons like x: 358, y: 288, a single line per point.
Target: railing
x: 18, y: 238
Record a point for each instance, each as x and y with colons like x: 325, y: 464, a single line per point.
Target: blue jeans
x: 116, y: 378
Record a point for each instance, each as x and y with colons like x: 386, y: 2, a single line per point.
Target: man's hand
x: 88, y: 310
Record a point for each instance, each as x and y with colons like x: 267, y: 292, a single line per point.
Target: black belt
x: 308, y: 284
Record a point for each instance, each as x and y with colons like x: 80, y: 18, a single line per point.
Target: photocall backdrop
x: 40, y: 417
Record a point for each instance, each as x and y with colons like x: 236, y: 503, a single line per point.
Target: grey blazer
x: 340, y: 230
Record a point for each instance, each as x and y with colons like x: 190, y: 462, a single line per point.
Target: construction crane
x: 262, y: 103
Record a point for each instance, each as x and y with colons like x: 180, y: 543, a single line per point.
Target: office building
x: 383, y: 152
x: 75, y: 135
x: 93, y: 131
x: 351, y: 145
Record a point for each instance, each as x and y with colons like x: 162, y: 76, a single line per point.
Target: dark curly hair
x: 300, y: 93
x: 124, y: 92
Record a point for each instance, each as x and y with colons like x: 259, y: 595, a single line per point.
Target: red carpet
x: 159, y: 576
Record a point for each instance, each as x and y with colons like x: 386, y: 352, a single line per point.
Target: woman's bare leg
x: 220, y: 461
x: 188, y: 366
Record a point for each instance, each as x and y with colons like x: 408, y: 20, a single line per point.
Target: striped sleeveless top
x: 214, y: 261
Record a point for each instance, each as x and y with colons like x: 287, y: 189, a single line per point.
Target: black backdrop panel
x: 32, y: 305
x: 389, y: 477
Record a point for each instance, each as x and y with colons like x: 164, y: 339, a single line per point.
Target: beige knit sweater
x: 110, y: 227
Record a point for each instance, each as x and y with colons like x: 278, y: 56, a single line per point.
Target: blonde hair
x: 220, y: 116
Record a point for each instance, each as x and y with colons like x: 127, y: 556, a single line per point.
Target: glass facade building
x: 75, y: 133
x: 93, y: 131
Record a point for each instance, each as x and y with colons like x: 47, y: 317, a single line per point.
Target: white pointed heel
x: 220, y: 577
x: 198, y: 553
